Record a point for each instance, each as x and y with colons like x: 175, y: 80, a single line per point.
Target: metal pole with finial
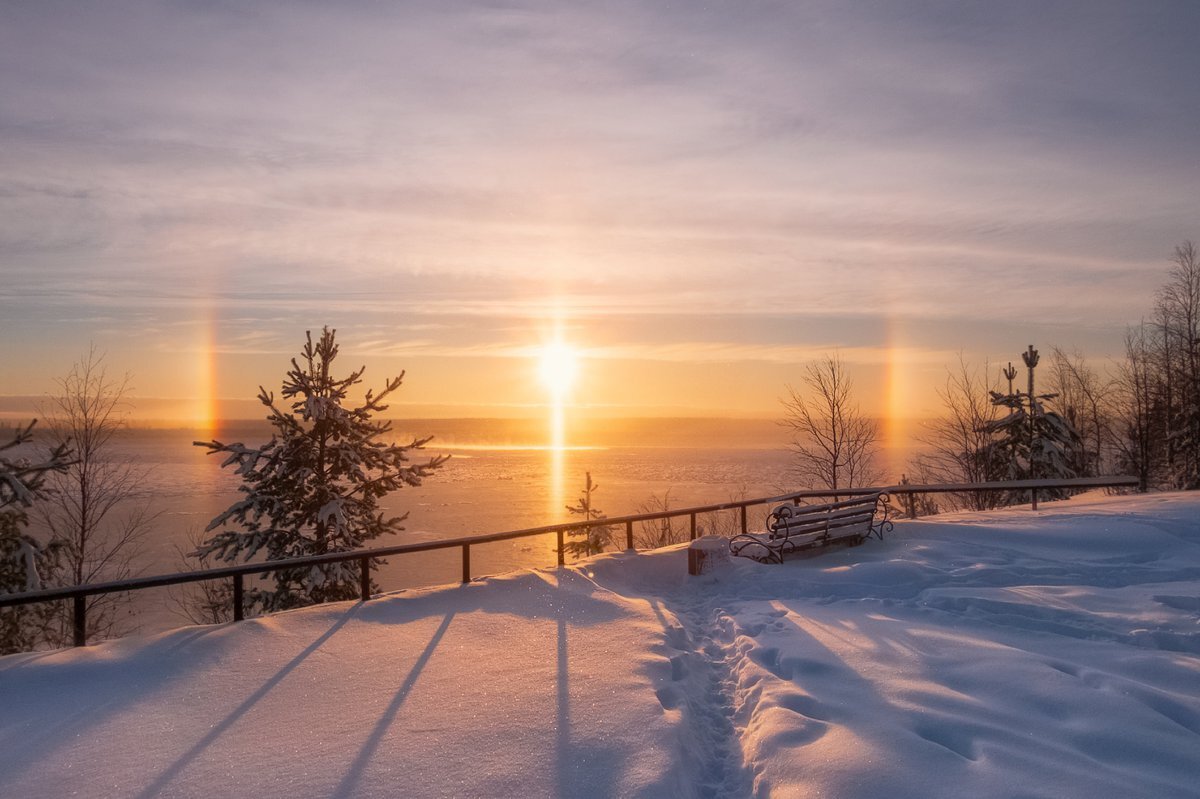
x: 1030, y: 357
x: 1010, y: 372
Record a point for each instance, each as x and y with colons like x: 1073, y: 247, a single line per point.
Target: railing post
x: 744, y: 519
x: 693, y: 534
x: 80, y: 621
x: 561, y: 560
x: 466, y: 563
x: 364, y: 578
x: 239, y: 593
x: 629, y: 534
x: 1034, y: 494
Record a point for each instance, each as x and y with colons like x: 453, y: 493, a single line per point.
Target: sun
x: 558, y: 364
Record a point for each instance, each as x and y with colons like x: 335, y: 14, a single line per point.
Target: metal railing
x: 78, y: 594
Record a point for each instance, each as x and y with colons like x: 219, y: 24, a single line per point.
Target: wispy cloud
x: 718, y: 182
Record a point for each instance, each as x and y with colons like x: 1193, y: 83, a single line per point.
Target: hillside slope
x: 1005, y: 654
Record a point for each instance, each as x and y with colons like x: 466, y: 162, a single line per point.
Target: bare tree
x: 1178, y: 312
x: 1167, y: 411
x: 1155, y: 393
x: 95, y: 514
x: 1081, y: 396
x: 728, y: 523
x: 956, y: 444
x: 834, y: 443
x: 1157, y: 431
x: 655, y: 533
x: 204, y: 602
x: 915, y: 505
x: 1137, y: 443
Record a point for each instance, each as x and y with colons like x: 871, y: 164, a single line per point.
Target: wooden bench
x: 792, y: 528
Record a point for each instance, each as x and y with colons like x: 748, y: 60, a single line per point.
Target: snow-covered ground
x: 1005, y: 654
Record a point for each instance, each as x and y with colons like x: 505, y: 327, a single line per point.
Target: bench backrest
x: 787, y: 521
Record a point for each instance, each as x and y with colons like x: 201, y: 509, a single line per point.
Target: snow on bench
x: 791, y: 528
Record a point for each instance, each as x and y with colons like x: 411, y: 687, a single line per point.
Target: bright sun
x: 557, y: 367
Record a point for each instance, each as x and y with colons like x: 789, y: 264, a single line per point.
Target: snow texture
x: 1001, y: 654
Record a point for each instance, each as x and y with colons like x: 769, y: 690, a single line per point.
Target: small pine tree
x: 1054, y: 451
x: 315, y: 487
x: 592, y: 539
x: 1031, y: 442
x: 23, y: 561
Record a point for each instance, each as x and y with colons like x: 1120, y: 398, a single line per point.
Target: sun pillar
x: 205, y: 402
x: 897, y: 410
x: 557, y: 368
x: 558, y: 465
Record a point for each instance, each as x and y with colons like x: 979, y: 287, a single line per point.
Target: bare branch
x: 834, y: 443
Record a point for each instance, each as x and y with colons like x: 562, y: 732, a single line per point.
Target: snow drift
x: 1003, y: 654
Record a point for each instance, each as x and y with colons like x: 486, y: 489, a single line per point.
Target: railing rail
x: 237, y: 573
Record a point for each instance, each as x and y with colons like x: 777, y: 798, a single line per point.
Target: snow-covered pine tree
x: 1008, y: 451
x: 23, y: 561
x: 315, y: 487
x: 1049, y: 447
x: 592, y: 540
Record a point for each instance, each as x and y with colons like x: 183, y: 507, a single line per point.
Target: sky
x: 698, y: 199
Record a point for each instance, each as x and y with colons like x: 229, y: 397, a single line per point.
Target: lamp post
x: 1030, y: 357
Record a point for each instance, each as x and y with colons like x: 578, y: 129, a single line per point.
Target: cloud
x: 747, y: 182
